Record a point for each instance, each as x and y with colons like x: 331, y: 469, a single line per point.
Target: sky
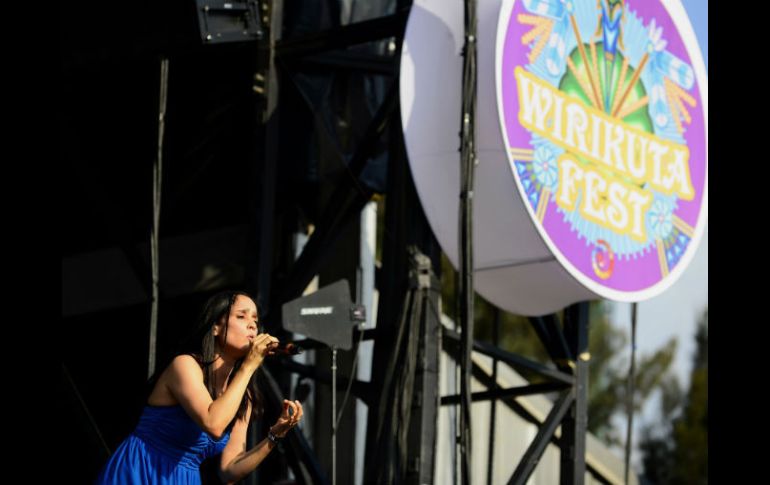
x: 675, y: 312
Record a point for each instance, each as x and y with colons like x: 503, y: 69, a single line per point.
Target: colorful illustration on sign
x: 606, y: 135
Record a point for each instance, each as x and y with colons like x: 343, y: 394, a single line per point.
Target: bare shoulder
x: 185, y: 365
x: 184, y: 368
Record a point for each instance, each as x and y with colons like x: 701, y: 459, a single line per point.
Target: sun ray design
x: 684, y: 227
x: 594, y: 66
x: 541, y: 31
x: 586, y: 63
x: 676, y: 96
x: 620, y: 84
x: 542, y: 205
x: 582, y: 82
x: 639, y: 104
x: 522, y: 154
x: 631, y: 84
x: 662, y: 257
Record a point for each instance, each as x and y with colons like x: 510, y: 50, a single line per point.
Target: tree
x: 675, y: 450
x: 608, y: 374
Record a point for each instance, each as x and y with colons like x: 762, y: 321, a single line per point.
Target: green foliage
x: 675, y: 450
x: 608, y: 374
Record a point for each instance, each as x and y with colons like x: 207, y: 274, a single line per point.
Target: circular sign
x: 602, y: 107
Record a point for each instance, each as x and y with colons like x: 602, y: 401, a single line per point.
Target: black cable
x: 467, y: 165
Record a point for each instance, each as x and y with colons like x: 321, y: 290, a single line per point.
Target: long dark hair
x: 201, y: 345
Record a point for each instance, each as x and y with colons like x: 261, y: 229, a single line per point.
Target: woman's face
x: 241, y: 327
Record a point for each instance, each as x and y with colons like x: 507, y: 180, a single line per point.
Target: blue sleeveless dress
x: 167, y: 447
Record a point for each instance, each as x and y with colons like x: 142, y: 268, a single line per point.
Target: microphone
x: 289, y: 348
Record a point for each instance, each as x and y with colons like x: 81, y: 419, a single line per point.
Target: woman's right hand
x: 260, y: 347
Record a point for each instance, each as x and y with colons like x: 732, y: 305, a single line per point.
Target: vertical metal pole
x: 423, y: 415
x: 154, y: 243
x: 467, y: 164
x: 368, y: 251
x: 493, y: 402
x: 573, y: 447
x: 260, y: 253
x: 630, y: 393
x: 266, y: 86
x: 334, y: 415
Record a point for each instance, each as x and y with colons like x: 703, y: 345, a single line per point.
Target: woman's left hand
x: 288, y: 419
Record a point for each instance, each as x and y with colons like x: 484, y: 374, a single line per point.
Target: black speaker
x: 229, y: 21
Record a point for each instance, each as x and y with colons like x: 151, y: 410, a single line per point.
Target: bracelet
x: 273, y: 437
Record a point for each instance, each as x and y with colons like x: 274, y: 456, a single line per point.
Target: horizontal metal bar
x: 343, y: 36
x: 504, y: 393
x: 512, y: 359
